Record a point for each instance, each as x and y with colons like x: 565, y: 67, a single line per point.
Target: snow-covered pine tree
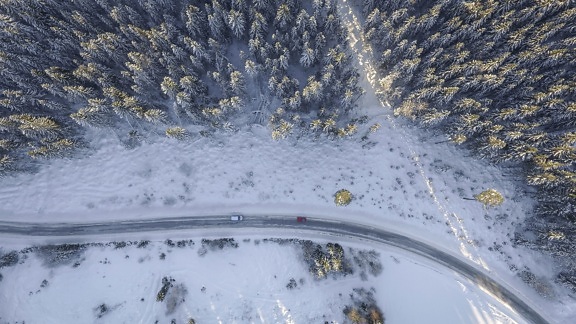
x: 237, y: 23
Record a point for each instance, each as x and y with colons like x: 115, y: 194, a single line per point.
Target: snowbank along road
x: 286, y: 222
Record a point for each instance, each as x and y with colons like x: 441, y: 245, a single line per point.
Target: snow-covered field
x: 244, y: 284
x: 400, y: 177
x: 399, y: 180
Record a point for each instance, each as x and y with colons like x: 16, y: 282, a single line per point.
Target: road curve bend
x: 343, y: 228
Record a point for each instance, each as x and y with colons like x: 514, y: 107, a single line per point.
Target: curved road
x: 286, y: 222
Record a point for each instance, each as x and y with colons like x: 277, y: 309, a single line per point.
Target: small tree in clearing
x: 490, y: 198
x: 342, y: 197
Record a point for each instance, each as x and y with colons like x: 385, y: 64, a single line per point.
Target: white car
x: 236, y: 218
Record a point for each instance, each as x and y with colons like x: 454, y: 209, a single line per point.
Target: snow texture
x: 244, y: 284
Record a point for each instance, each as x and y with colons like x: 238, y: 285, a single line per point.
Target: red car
x: 301, y: 219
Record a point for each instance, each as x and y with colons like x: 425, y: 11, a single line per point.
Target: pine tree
x: 237, y: 83
x: 37, y: 127
x: 236, y: 23
x: 259, y: 25
x: 177, y: 133
x: 196, y: 22
x: 283, y: 16
x: 59, y: 148
x: 217, y: 21
x: 93, y: 115
x: 313, y: 90
x: 155, y: 116
x: 169, y: 87
x: 308, y: 56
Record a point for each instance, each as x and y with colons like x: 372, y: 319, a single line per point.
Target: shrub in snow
x: 119, y: 245
x: 54, y: 255
x: 490, y: 198
x: 219, y: 243
x: 9, y: 259
x: 540, y: 284
x: 371, y: 314
x: 184, y: 243
x: 342, y: 197
x: 102, y: 310
x: 170, y: 243
x: 364, y: 308
x: 166, y: 285
x: 143, y: 244
x: 292, y: 284
x: 367, y: 260
x: 323, y: 262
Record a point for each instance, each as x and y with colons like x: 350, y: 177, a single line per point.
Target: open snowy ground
x: 400, y: 177
x: 258, y: 281
x: 421, y: 195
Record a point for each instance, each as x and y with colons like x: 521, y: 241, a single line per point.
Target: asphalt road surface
x: 284, y: 222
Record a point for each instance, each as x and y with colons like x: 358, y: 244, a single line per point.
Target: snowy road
x: 285, y: 222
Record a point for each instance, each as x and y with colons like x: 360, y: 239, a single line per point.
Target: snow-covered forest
x: 146, y: 67
x: 498, y: 78
x: 495, y: 78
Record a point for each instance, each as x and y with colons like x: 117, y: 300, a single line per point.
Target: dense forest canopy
x: 498, y: 77
x: 161, y: 66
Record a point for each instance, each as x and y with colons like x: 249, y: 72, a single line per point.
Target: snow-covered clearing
x: 400, y: 177
x: 247, y: 284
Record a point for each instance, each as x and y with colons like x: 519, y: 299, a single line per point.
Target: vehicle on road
x: 236, y: 218
x: 301, y: 219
